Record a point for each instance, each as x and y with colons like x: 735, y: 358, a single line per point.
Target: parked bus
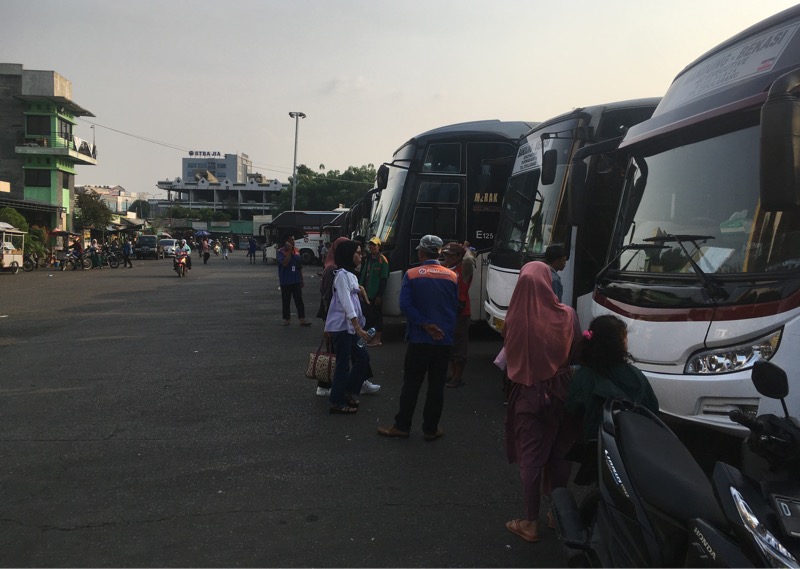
x: 704, y: 265
x: 305, y: 226
x: 535, y: 214
x: 448, y: 182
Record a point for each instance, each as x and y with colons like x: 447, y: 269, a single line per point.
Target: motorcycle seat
x: 663, y: 471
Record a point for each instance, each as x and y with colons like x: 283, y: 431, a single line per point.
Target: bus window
x: 439, y: 221
x: 444, y: 157
x: 438, y: 192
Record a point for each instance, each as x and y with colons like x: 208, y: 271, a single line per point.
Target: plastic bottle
x: 361, y: 342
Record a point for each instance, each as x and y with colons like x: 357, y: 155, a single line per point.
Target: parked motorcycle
x: 76, y: 262
x: 179, y: 264
x: 653, y: 505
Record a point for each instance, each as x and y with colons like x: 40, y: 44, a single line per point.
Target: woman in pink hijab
x: 539, y: 336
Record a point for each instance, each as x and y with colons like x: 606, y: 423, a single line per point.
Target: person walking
x: 252, y: 246
x: 290, y: 275
x: 463, y: 265
x: 224, y: 245
x: 540, y: 336
x: 429, y: 300
x: 127, y: 251
x: 374, y: 275
x: 206, y: 249
x: 345, y: 324
x: 326, y: 294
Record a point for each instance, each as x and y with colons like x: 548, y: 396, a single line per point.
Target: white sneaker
x: 369, y: 388
x: 323, y: 391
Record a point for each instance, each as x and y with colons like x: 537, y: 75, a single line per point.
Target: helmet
x: 183, y: 241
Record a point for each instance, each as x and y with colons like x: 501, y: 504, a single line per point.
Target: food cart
x: 12, y: 245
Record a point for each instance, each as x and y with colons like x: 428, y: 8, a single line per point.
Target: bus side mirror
x: 549, y: 163
x: 576, y: 190
x: 780, y: 145
x: 382, y: 177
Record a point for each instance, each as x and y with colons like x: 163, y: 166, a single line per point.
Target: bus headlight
x: 734, y: 358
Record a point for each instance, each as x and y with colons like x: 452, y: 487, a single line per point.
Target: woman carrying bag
x: 345, y: 323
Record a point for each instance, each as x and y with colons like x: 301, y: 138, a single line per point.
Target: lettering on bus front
x: 752, y: 58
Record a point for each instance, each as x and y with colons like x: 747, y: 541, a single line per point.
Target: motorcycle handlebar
x: 753, y: 424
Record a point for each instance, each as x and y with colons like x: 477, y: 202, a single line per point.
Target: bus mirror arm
x: 779, y: 162
x: 576, y: 193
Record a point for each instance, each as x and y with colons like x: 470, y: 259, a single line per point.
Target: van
x: 146, y: 246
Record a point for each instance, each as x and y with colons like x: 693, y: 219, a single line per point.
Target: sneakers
x: 323, y: 391
x: 393, y: 432
x: 369, y: 388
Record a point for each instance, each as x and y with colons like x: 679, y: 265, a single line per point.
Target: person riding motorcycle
x: 183, y: 248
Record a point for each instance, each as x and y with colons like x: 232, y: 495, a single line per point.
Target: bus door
x: 438, y: 210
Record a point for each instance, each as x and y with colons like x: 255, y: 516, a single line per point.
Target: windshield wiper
x: 714, y: 290
x: 628, y: 247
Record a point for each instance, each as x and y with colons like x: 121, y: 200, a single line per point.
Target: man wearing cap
x: 429, y: 300
x: 374, y: 275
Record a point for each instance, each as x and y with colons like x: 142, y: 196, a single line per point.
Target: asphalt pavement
x: 152, y: 421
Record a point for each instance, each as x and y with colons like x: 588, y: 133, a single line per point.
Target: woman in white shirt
x: 344, y: 323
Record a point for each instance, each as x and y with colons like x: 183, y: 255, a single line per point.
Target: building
x: 117, y: 198
x: 220, y: 182
x: 39, y: 151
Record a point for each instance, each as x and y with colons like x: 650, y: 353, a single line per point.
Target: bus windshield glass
x: 384, y: 216
x: 701, y: 200
x: 532, y: 216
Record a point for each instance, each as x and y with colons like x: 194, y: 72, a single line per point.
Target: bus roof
x: 596, y: 110
x: 510, y: 130
x: 735, y: 75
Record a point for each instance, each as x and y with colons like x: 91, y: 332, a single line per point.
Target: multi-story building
x: 39, y: 151
x: 215, y: 181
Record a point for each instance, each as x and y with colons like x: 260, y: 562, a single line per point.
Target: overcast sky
x: 169, y: 76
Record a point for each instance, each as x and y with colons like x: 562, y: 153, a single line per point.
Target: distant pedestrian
x: 374, y: 275
x: 556, y: 257
x: 252, y: 246
x: 127, y: 251
x: 463, y: 265
x: 225, y: 249
x: 429, y: 301
x: 206, y: 248
x: 290, y: 275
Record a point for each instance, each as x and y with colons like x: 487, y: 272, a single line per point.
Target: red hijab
x: 331, y: 256
x: 538, y: 330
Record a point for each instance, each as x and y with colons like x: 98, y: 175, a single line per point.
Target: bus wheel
x: 307, y: 257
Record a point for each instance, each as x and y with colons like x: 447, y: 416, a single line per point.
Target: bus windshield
x: 384, y: 217
x: 532, y: 217
x: 701, y: 200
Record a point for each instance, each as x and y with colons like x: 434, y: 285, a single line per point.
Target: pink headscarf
x: 539, y: 330
x: 329, y: 258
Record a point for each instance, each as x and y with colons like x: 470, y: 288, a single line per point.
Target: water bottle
x: 361, y: 342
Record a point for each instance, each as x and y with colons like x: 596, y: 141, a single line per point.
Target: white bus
x: 704, y: 264
x: 535, y: 213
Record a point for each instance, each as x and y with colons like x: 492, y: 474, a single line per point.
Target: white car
x: 166, y: 248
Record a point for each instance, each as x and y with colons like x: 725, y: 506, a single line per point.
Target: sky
x: 171, y: 76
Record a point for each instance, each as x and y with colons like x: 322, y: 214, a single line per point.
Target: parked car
x: 166, y: 248
x: 146, y: 246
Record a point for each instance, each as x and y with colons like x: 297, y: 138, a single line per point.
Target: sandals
x: 352, y: 401
x: 515, y: 526
x: 345, y: 409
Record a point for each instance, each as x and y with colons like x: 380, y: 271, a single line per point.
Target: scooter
x: 179, y: 264
x: 653, y: 505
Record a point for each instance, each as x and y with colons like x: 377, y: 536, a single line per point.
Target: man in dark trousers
x: 429, y: 300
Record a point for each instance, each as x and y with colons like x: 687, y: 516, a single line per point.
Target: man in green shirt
x: 374, y: 274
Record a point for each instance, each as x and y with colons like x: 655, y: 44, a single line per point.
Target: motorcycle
x: 179, y: 264
x: 83, y: 260
x: 653, y: 506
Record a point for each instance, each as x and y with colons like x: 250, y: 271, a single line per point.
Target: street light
x: 296, y: 115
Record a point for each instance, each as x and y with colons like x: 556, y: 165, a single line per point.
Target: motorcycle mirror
x: 770, y: 380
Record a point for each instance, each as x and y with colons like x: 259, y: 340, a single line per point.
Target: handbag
x: 321, y: 365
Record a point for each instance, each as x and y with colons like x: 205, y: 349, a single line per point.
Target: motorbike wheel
x: 87, y: 263
x: 27, y: 265
x: 183, y: 270
x: 14, y: 268
x: 113, y: 262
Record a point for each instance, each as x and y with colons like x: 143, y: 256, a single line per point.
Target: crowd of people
x: 558, y: 375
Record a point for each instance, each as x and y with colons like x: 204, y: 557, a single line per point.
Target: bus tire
x: 307, y: 256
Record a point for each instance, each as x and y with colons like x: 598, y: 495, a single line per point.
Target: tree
x: 91, y: 210
x: 180, y: 212
x: 141, y: 207
x: 14, y: 218
x: 325, y: 192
